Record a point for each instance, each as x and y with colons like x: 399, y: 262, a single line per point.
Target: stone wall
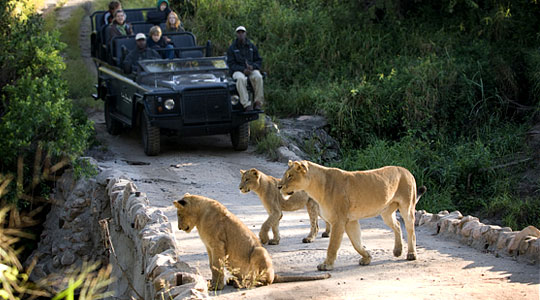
x: 522, y: 245
x: 153, y: 265
x: 107, y: 219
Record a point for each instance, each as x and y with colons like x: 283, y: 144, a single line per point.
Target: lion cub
x: 227, y: 239
x: 266, y: 187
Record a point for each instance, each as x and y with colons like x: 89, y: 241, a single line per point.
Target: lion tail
x: 421, y: 191
x: 282, y: 278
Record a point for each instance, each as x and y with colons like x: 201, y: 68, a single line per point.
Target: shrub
x: 35, y: 115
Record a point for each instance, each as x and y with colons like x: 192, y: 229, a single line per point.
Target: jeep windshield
x: 185, y: 71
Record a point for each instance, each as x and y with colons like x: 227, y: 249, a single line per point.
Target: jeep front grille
x: 206, y: 106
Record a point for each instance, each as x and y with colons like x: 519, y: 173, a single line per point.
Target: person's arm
x: 126, y: 64
x: 234, y: 66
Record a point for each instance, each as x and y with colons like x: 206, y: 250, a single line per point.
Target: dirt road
x: 208, y: 166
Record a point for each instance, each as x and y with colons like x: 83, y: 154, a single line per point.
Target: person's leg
x: 169, y: 53
x: 257, y: 82
x: 241, y: 87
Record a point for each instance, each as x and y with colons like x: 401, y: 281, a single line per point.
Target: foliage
x: 87, y: 282
x: 36, y: 115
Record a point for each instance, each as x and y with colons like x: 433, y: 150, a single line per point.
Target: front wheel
x: 150, y: 136
x: 240, y: 137
x: 113, y: 126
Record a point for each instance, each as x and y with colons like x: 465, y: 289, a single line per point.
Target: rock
x: 284, y: 154
x: 306, y: 136
x: 504, y: 239
x: 520, y: 237
x: 468, y: 228
x: 56, y: 261
x: 68, y: 258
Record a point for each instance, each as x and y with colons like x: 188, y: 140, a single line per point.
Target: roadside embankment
x: 107, y: 219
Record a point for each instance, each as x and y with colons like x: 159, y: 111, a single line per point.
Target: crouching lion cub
x: 227, y: 239
x: 345, y: 197
x: 265, y: 186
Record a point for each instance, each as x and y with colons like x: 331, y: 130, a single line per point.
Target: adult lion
x: 345, y: 197
x: 230, y: 244
x: 265, y: 186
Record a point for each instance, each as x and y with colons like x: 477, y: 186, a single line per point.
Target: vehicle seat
x: 141, y: 27
x: 134, y: 16
x: 185, y: 40
x: 121, y: 46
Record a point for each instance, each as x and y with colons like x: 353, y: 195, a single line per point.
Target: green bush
x: 34, y: 110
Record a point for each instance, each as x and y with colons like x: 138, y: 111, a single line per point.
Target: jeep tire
x: 150, y: 136
x: 113, y: 126
x: 240, y: 137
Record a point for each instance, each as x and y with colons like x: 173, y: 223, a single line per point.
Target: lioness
x: 228, y: 240
x: 345, y: 197
x: 265, y: 186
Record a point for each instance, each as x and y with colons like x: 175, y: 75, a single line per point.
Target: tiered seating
x: 114, y: 53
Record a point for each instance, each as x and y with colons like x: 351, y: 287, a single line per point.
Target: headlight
x: 169, y: 104
x: 235, y: 99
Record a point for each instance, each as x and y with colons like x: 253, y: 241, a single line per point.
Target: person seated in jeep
x: 244, y: 62
x: 139, y: 53
x: 160, y: 42
x: 119, y: 26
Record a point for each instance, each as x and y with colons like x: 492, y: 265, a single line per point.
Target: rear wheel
x: 150, y: 136
x: 240, y: 137
x: 113, y: 126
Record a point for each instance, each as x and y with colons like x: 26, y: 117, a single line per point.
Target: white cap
x: 240, y: 28
x: 140, y: 36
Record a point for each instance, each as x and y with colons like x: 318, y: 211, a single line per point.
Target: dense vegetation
x: 41, y: 132
x: 445, y: 88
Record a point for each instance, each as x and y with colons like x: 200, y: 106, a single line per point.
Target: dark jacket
x: 238, y: 55
x: 153, y: 45
x: 114, y: 31
x: 158, y: 16
x: 130, y: 62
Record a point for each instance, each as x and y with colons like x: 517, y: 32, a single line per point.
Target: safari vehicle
x: 190, y: 95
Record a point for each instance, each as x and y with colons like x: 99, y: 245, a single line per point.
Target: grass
x: 79, y: 78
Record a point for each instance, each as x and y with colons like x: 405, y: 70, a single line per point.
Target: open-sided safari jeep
x: 190, y: 95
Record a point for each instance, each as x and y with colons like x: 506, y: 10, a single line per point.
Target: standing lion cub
x: 266, y: 187
x: 229, y: 243
x: 345, y: 197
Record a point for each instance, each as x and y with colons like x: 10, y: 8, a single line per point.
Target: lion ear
x: 242, y: 172
x: 180, y: 203
x: 254, y: 172
x: 300, y: 167
x: 290, y: 163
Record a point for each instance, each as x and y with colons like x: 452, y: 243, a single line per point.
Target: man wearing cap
x: 139, y: 53
x: 244, y: 62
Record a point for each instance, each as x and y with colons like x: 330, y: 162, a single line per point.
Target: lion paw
x: 215, y: 287
x: 397, y: 252
x: 325, y: 267
x: 326, y: 234
x: 411, y: 256
x: 365, y: 261
x: 264, y: 239
x: 273, y: 242
x: 307, y: 240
